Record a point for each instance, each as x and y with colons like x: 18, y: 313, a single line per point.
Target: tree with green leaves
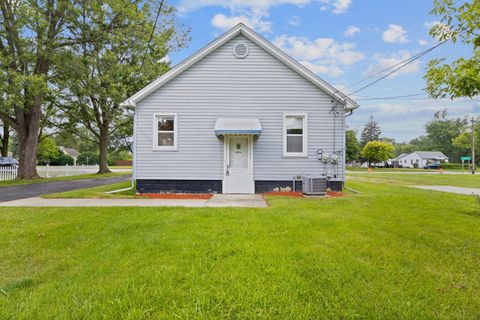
x: 352, y: 146
x: 377, y: 151
x: 47, y: 150
x: 440, y: 132
x: 371, y: 132
x: 122, y: 59
x: 464, y: 141
x: 402, y: 148
x: 460, y: 21
x: 33, y: 37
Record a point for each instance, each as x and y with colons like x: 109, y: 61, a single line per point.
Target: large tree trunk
x: 103, y: 157
x: 5, y: 140
x: 27, y: 129
x: 27, y: 145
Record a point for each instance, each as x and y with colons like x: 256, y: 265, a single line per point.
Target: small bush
x: 62, y: 160
x: 450, y: 166
x: 87, y: 158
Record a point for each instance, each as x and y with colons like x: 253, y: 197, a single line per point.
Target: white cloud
x: 254, y: 12
x: 431, y: 24
x: 333, y: 71
x: 223, y: 22
x: 443, y: 30
x: 351, y: 31
x: 395, y: 34
x: 165, y: 59
x: 319, y: 49
x: 428, y: 106
x: 259, y: 7
x: 294, y: 21
x: 322, y: 55
x: 340, y: 6
x: 422, y: 42
x: 383, y: 62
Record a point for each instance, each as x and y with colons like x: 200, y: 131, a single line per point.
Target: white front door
x: 238, y: 173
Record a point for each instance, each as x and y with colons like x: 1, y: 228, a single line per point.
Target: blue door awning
x: 238, y: 127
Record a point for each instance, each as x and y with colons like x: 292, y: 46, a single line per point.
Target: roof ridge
x: 265, y: 44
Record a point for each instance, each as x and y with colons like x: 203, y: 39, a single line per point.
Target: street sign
x: 466, y: 158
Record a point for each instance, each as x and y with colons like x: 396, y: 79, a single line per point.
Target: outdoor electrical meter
x: 334, y: 158
x: 319, y: 154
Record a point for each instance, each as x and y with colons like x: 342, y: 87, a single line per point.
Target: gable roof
x: 240, y: 28
x: 70, y: 151
x: 400, y: 156
x: 431, y: 155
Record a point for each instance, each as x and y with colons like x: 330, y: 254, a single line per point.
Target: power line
x: 407, y: 62
x: 392, y: 97
x: 151, y: 35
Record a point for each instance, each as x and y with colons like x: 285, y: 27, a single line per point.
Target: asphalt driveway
x: 9, y: 193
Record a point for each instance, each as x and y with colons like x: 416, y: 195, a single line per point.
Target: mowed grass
x: 418, y: 179
x: 99, y: 192
x: 362, y: 169
x: 387, y: 253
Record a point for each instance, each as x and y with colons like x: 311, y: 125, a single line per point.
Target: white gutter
x: 134, y: 163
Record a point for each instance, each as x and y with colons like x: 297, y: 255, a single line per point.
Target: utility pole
x: 473, y: 146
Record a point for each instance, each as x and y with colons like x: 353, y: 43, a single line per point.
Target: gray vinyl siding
x: 222, y: 86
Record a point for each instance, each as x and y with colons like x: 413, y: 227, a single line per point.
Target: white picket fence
x: 62, y: 171
x: 10, y: 173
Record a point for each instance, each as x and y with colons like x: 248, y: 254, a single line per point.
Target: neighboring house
x: 70, y: 152
x: 419, y: 159
x: 396, y: 161
x: 239, y: 116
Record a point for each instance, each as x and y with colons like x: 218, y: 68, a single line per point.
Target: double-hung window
x: 165, y: 132
x: 295, y: 135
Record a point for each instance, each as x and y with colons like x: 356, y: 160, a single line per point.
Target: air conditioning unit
x: 314, y: 185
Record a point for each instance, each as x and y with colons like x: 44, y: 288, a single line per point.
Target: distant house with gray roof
x: 71, y: 153
x: 420, y: 159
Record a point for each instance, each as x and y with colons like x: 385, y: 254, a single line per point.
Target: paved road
x: 451, y: 189
x: 42, y: 188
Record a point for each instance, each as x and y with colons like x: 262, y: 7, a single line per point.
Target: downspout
x: 134, y: 153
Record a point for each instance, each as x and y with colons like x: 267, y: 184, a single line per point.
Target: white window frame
x: 156, y: 147
x: 303, y: 154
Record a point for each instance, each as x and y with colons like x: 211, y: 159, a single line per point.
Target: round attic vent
x: 240, y: 50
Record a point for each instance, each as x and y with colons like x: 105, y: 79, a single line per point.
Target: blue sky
x: 343, y: 41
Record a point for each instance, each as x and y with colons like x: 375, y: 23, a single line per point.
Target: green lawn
x: 99, y: 192
x: 361, y: 169
x: 459, y: 180
x: 391, y: 252
x: 83, y: 176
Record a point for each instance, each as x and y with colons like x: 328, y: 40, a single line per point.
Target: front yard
x: 391, y: 252
x: 418, y: 179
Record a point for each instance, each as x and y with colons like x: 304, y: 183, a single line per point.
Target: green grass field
x: 99, y: 192
x: 458, y: 180
x: 361, y: 169
x: 391, y: 252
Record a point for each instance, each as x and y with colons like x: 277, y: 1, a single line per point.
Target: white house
x: 420, y: 159
x: 238, y: 116
x: 71, y: 153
